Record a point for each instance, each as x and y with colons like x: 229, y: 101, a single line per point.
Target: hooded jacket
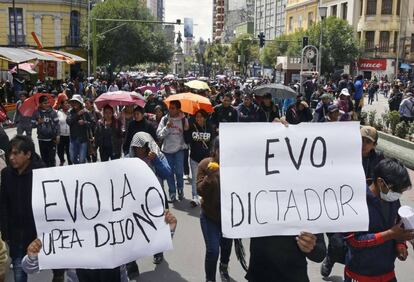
x: 201, y: 137
x: 173, y: 137
x: 49, y: 129
x: 77, y: 131
x: 16, y: 218
x: 138, y: 126
x: 116, y: 135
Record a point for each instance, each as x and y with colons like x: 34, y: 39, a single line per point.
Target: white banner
x: 99, y: 215
x: 281, y: 181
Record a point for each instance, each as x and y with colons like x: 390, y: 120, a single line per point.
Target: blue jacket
x: 369, y: 254
x: 359, y: 89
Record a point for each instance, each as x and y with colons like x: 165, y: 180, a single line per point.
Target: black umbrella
x: 278, y: 91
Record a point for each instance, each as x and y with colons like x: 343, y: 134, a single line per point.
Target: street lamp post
x: 322, y: 13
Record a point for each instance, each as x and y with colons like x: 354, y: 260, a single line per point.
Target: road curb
x: 398, y: 148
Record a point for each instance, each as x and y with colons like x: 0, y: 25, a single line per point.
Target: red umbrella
x: 31, y: 104
x: 120, y: 98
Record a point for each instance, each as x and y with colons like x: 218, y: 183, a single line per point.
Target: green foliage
x: 401, y: 129
x: 363, y: 118
x: 386, y: 119
x: 394, y: 118
x: 411, y: 128
x: 246, y: 47
x: 371, y: 117
x: 132, y: 43
x: 379, y: 125
x: 216, y: 52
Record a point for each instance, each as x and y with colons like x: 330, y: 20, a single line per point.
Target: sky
x: 201, y: 11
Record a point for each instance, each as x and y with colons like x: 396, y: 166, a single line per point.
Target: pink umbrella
x: 146, y: 87
x: 120, y: 98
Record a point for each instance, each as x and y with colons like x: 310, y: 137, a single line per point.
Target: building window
x: 334, y: 9
x: 290, y: 23
x: 398, y: 7
x: 384, y: 44
x: 369, y: 40
x: 74, y: 35
x: 19, y: 23
x: 386, y: 8
x: 310, y: 19
x: 361, y: 7
x: 371, y: 7
x: 395, y: 41
x: 412, y: 42
x: 344, y: 10
x: 300, y: 21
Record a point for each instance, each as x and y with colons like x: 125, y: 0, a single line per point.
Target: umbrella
x: 120, y: 98
x: 197, y: 84
x: 31, y: 104
x: 279, y: 91
x: 169, y: 77
x: 221, y: 76
x: 191, y: 103
x: 142, y: 89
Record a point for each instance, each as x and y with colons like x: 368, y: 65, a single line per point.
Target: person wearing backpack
x: 47, y: 122
x: 407, y: 108
x: 395, y: 99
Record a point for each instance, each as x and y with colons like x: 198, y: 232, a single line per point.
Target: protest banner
x: 99, y: 215
x: 278, y: 180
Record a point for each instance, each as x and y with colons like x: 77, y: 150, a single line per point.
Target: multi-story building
x: 156, y: 8
x: 236, y: 13
x: 300, y: 14
x: 269, y: 18
x: 57, y: 23
x: 218, y: 19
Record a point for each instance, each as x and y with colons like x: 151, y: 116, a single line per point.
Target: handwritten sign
x: 99, y: 215
x: 281, y: 181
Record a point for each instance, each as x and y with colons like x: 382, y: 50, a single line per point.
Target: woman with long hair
x: 108, y: 135
x: 64, y: 133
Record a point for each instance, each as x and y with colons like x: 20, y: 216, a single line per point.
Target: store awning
x: 16, y: 55
x: 45, y: 56
x: 72, y: 56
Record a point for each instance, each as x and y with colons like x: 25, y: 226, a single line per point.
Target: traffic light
x: 305, y: 41
x: 261, y: 39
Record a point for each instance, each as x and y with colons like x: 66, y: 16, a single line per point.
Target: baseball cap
x: 369, y: 132
x: 345, y: 92
x: 147, y: 93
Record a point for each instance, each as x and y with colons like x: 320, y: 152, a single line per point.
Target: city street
x: 186, y: 261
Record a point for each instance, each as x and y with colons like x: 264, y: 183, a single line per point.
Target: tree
x: 131, y: 43
x: 216, y: 52
x: 245, y: 47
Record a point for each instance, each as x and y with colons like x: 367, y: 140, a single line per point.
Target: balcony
x: 72, y: 41
x: 21, y: 39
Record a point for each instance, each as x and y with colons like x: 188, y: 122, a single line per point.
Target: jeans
x: 194, y: 166
x: 19, y: 274
x: 215, y: 244
x: 62, y: 148
x: 176, y: 162
x: 99, y: 275
x: 107, y: 153
x: 24, y: 128
x: 78, y: 151
x: 185, y: 163
x: 48, y: 152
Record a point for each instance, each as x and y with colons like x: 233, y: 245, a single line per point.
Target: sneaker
x: 158, y: 258
x: 186, y: 177
x: 224, y: 272
x: 193, y: 203
x: 326, y: 267
x: 180, y: 195
x: 132, y: 270
x: 173, y: 199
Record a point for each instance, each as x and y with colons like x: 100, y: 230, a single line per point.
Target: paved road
x: 185, y: 262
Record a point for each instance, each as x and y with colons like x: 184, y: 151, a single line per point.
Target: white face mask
x: 391, y: 196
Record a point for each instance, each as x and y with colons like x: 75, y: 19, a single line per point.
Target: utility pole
x: 15, y: 24
x: 89, y: 38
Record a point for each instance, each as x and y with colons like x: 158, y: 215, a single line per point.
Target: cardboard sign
x: 99, y: 215
x: 278, y: 180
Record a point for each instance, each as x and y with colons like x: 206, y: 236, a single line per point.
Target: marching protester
x: 298, y: 112
x: 171, y: 131
x: 80, y: 123
x: 91, y: 155
x: 395, y: 99
x: 385, y: 237
x: 359, y: 93
x: 108, y: 136
x: 223, y: 113
x: 407, y: 108
x: 208, y: 187
x: 23, y: 123
x: 47, y: 122
x: 248, y: 111
x: 17, y: 223
x: 370, y: 156
x: 321, y: 110
x: 201, y: 135
x: 345, y: 105
x: 64, y: 133
x: 268, y: 109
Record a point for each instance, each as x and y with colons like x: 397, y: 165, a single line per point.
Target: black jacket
x: 49, y: 129
x: 116, y: 136
x: 279, y: 259
x: 249, y: 114
x: 16, y: 219
x: 223, y: 114
x: 294, y: 116
x: 138, y: 126
x: 268, y: 114
x: 77, y: 131
x: 370, y: 162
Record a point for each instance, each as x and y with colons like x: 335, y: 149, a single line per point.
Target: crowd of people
x: 178, y: 146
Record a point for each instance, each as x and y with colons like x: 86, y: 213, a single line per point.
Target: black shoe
x: 172, y: 199
x: 180, y: 195
x: 224, y: 272
x: 326, y: 267
x: 158, y: 258
x: 132, y: 270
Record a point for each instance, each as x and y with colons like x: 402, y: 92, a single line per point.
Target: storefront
x: 378, y: 68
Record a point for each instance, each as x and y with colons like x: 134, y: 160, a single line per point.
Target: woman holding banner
x: 208, y: 187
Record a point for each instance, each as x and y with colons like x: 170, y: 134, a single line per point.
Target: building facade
x: 236, y: 12
x: 300, y: 14
x: 218, y: 19
x: 156, y: 8
x: 269, y: 18
x: 57, y: 23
